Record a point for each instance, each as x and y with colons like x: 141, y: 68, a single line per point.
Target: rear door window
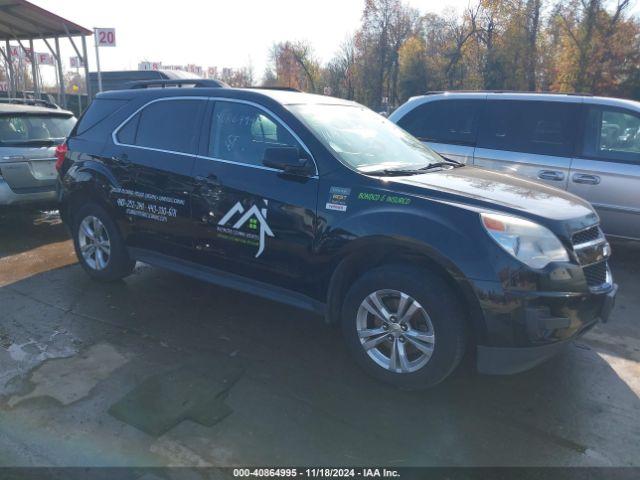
x: 169, y: 125
x: 542, y: 128
x: 444, y: 121
x: 612, y: 134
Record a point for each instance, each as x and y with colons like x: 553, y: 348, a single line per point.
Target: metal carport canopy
x: 21, y: 20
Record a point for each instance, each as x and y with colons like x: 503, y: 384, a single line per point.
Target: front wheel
x: 404, y: 326
x: 99, y: 245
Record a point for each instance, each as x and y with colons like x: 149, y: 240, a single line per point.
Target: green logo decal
x: 380, y: 197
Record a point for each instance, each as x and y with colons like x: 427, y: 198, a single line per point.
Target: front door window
x: 612, y: 134
x: 241, y: 133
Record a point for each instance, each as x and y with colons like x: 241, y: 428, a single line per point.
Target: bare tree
x: 295, y: 65
x: 461, y: 33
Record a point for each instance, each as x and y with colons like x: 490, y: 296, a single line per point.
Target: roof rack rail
x: 195, y: 82
x: 436, y: 92
x: 286, y: 89
x: 36, y: 102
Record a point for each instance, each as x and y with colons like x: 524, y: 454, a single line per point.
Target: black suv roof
x: 283, y: 97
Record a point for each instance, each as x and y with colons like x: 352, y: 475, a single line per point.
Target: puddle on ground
x: 68, y: 380
x: 17, y: 359
x: 193, y: 391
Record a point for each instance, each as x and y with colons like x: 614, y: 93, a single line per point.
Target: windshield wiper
x: 395, y: 172
x: 449, y: 161
x: 390, y: 172
x: 439, y: 165
x: 399, y: 171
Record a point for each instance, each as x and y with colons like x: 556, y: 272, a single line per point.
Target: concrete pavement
x: 96, y: 375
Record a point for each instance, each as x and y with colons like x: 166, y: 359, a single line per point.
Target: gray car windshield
x: 26, y: 129
x: 364, y: 140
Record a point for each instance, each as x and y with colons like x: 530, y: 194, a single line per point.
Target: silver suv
x: 589, y: 146
x: 29, y: 136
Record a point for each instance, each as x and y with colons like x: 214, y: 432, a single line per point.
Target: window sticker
x: 247, y: 224
x: 338, y: 197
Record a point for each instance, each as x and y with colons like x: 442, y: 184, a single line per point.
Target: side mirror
x: 288, y: 159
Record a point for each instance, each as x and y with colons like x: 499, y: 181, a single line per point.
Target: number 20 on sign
x: 106, y: 37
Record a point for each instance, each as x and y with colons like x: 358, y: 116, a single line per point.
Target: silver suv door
x: 607, y: 171
x: 532, y: 138
x: 448, y: 126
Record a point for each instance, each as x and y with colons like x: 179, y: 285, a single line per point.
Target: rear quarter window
x: 99, y: 109
x: 127, y: 134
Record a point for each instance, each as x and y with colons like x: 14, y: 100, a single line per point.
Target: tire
x: 110, y: 260
x: 431, y: 333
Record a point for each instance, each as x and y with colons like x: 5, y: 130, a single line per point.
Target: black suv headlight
x: 532, y: 244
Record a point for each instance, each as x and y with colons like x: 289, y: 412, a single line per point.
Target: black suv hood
x: 498, y: 191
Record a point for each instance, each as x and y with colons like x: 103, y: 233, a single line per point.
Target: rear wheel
x: 99, y: 245
x: 404, y: 326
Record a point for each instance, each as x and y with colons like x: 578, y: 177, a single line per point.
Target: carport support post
x: 86, y: 69
x: 6, y: 60
x: 63, y: 96
x: 12, y: 76
x: 34, y: 71
x: 57, y: 59
x: 21, y: 73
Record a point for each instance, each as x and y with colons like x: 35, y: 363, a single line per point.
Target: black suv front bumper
x: 546, y: 323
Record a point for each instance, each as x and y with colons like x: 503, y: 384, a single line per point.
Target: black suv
x: 323, y: 204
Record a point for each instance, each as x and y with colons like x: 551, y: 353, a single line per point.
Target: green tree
x: 558, y: 45
x: 412, y: 67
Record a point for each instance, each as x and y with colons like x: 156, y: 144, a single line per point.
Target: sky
x: 226, y: 33
x: 229, y: 33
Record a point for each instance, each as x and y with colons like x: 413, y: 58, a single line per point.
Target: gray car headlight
x: 532, y: 244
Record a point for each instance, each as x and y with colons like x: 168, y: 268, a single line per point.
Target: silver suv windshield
x: 18, y: 130
x: 364, y: 140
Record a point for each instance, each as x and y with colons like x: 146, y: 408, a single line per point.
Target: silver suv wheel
x: 395, y: 331
x: 94, y: 243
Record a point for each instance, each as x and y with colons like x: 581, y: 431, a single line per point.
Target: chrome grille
x: 592, y: 251
x: 587, y: 235
x: 596, y: 274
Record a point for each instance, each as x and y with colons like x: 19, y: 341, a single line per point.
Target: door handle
x: 551, y: 175
x: 122, y: 159
x: 210, y: 180
x: 586, y: 179
x: 208, y: 217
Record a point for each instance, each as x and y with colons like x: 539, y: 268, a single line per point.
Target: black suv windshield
x: 33, y: 129
x: 363, y: 139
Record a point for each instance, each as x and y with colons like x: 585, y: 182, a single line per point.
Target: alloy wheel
x: 395, y: 331
x: 94, y: 243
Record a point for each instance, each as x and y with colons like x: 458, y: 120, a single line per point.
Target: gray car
x: 28, y: 139
x: 587, y: 145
